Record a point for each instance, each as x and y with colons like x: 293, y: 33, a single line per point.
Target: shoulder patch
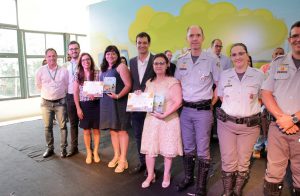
x: 184, y: 54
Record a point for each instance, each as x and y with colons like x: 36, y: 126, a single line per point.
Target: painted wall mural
x: 256, y: 23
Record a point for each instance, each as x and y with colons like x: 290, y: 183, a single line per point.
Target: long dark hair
x: 168, y: 71
x: 104, y: 65
x: 80, y: 73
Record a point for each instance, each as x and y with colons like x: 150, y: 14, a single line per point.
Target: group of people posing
x: 184, y: 126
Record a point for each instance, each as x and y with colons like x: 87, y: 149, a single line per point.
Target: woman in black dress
x: 113, y: 115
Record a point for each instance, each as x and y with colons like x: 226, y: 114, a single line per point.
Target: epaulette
x: 184, y: 54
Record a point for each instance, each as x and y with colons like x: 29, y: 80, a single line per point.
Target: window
x: 36, y: 44
x: 9, y: 69
x: 9, y: 78
x: 8, y: 14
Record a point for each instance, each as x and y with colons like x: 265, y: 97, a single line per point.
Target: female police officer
x: 238, y: 118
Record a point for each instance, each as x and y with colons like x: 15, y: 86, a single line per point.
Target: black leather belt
x: 53, y: 101
x: 200, y: 105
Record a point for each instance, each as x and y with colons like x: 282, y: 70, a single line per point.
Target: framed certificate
x: 140, y: 103
x: 94, y: 88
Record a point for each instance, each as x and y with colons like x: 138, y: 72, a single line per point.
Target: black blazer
x: 133, y: 63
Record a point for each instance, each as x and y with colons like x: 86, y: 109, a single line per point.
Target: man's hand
x: 284, y: 122
x: 294, y: 129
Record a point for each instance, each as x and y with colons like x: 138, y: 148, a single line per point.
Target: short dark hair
x: 167, y: 51
x: 168, y: 71
x: 143, y: 34
x: 213, y: 42
x: 296, y: 24
x: 104, y: 65
x: 74, y: 42
x: 50, y: 49
x: 239, y: 44
x: 123, y: 57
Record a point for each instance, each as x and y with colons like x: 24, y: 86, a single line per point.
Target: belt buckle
x: 239, y: 121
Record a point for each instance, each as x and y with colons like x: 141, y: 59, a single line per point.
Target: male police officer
x: 281, y: 97
x: 197, y: 72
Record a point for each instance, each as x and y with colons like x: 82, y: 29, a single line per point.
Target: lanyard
x: 73, y: 68
x: 52, y: 77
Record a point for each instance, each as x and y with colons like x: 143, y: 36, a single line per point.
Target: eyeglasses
x: 87, y: 59
x: 73, y: 49
x: 159, y: 63
x: 237, y: 54
x: 295, y: 36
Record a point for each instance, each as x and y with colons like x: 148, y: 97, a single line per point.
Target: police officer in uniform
x: 238, y: 118
x: 281, y: 96
x: 197, y: 72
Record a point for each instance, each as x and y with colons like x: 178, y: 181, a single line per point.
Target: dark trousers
x: 137, y: 120
x: 74, y: 120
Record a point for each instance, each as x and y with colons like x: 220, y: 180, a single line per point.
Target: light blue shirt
x: 197, y: 78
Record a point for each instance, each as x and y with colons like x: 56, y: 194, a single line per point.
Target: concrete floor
x: 24, y: 172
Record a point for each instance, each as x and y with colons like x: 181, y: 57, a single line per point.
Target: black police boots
x: 203, y: 168
x: 272, y: 189
x: 228, y: 179
x: 241, y: 179
x: 189, y: 165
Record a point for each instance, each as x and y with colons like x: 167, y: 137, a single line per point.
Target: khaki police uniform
x: 240, y: 100
x: 284, y: 83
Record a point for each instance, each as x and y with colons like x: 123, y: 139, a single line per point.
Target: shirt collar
x: 146, y: 60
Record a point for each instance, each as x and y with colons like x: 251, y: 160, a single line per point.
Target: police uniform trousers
x: 236, y: 143
x: 281, y: 149
x: 195, y: 130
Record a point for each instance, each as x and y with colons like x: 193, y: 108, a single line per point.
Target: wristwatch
x: 295, y: 119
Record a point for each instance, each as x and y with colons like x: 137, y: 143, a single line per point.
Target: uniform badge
x: 228, y: 84
x: 183, y: 66
x: 282, y: 68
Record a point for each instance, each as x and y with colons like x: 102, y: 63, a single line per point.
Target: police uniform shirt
x: 197, y: 78
x: 223, y: 62
x: 284, y: 83
x: 240, y: 97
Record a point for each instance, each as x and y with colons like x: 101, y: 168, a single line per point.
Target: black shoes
x: 63, y: 153
x: 139, y: 168
x: 48, y: 153
x: 73, y: 152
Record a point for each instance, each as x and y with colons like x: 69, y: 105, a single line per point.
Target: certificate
x: 94, y: 88
x: 140, y: 103
x: 109, y: 85
x: 158, y: 103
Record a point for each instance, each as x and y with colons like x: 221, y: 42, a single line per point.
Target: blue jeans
x: 260, y: 143
x: 49, y: 110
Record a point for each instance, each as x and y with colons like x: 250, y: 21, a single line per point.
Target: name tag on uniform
x: 228, y: 84
x: 282, y: 68
x: 183, y: 66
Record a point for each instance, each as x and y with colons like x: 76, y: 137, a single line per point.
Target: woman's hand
x: 138, y: 92
x: 113, y: 95
x: 158, y: 115
x: 80, y: 113
x: 91, y: 97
